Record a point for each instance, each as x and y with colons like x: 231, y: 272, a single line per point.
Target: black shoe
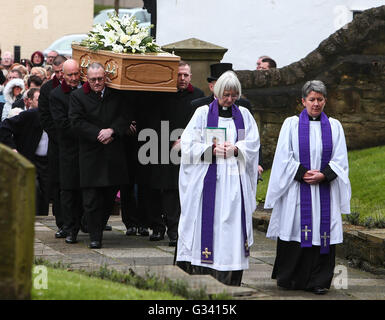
x: 318, y: 290
x: 157, y: 236
x: 107, y: 228
x: 71, y: 238
x: 131, y: 231
x: 95, y: 245
x: 172, y: 242
x: 173, y: 236
x: 143, y: 232
x: 61, y: 234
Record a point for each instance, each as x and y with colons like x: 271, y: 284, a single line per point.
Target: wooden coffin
x: 126, y: 71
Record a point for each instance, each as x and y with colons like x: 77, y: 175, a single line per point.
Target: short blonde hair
x: 226, y: 82
x: 40, y: 72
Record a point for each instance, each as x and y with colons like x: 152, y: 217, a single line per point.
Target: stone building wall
x: 35, y: 24
x: 122, y: 3
x: 351, y: 62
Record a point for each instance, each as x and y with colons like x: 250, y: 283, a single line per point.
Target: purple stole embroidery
x: 324, y: 187
x: 209, y: 189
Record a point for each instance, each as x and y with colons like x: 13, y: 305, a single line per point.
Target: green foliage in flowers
x: 121, y: 36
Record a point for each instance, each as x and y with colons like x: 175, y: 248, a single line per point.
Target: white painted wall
x: 286, y: 30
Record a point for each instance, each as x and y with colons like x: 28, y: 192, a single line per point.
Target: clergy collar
x: 315, y: 118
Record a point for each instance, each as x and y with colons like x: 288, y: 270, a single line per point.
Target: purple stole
x: 209, y: 189
x: 305, y: 191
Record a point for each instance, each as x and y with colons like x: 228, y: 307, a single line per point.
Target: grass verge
x: 68, y: 284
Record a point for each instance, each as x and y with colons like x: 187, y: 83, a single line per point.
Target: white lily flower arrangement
x: 121, y: 36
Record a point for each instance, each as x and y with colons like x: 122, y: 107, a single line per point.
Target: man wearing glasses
x: 100, y: 117
x: 51, y: 57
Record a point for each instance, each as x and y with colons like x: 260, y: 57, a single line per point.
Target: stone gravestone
x: 17, y: 217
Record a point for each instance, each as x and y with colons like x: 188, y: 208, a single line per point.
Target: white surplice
x: 283, y: 194
x: 228, y: 243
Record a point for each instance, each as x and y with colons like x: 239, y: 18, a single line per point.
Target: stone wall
x: 351, y: 62
x: 17, y: 217
x: 35, y: 24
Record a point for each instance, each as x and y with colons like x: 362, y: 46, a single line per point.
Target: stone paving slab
x: 138, y: 254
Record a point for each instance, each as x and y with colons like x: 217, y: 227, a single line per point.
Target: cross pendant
x: 306, y: 230
x: 206, y: 253
x: 325, y: 237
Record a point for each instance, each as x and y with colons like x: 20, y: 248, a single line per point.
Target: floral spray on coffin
x: 130, y: 56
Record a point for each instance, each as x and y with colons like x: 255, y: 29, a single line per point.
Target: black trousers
x: 230, y: 278
x: 303, y: 268
x: 97, y: 205
x: 54, y: 182
x: 57, y: 204
x: 42, y: 185
x: 72, y: 209
x: 134, y: 213
x: 164, y: 210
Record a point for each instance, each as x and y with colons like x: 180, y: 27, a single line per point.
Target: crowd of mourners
x: 93, y: 146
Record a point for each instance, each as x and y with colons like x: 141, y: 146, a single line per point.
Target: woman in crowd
x: 37, y: 59
x: 217, y: 186
x: 308, y: 190
x: 12, y: 91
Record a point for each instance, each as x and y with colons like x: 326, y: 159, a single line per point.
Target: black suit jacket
x: 67, y: 139
x: 175, y: 108
x: 100, y: 165
x: 22, y: 132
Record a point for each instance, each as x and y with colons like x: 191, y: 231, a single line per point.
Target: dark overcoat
x: 100, y: 165
x: 68, y: 140
x: 48, y: 126
x: 22, y: 132
x: 175, y: 110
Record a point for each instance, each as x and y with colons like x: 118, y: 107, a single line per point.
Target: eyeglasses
x: 51, y: 57
x: 232, y: 96
x: 100, y: 79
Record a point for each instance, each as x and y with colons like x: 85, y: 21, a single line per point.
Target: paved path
x: 142, y: 256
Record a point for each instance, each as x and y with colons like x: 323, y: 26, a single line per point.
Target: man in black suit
x: 100, y: 117
x: 24, y: 134
x: 68, y: 142
x: 172, y: 110
x: 48, y: 125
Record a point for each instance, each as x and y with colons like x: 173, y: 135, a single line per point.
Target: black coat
x: 100, y: 165
x: 67, y: 139
x: 48, y: 126
x: 176, y: 109
x: 22, y: 132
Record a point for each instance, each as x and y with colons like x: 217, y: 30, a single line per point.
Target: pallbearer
x: 217, y: 186
x: 308, y: 190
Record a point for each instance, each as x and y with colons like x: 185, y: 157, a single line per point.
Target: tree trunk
x: 117, y: 7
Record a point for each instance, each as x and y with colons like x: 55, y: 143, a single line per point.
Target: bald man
x: 70, y: 194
